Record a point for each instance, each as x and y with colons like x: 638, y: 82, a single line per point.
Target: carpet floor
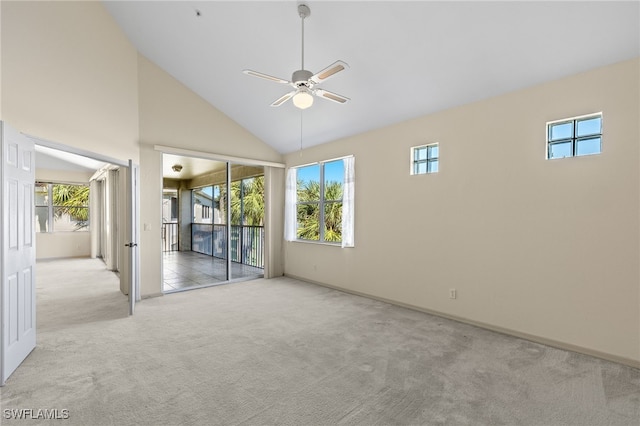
x: 285, y: 352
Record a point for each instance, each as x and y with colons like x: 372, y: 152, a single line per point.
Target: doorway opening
x: 83, y: 208
x: 212, y: 222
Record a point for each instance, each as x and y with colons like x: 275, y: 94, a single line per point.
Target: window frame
x: 428, y: 160
x: 322, y: 203
x: 573, y: 139
x: 51, y: 207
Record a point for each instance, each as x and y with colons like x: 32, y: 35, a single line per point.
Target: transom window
x: 425, y: 159
x: 574, y: 136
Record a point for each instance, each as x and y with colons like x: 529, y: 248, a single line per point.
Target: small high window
x: 424, y: 159
x: 573, y: 137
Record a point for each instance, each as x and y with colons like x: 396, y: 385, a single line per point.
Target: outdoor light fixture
x: 303, y: 98
x: 176, y: 168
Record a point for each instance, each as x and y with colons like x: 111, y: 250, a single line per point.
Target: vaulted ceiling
x: 406, y: 59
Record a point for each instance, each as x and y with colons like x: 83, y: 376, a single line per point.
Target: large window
x: 61, y: 207
x: 574, y: 136
x: 319, y: 201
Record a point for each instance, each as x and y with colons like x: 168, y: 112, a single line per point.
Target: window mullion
x: 574, y: 142
x: 321, y: 204
x: 50, y: 206
x: 241, y: 202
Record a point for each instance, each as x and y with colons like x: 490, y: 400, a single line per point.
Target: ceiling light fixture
x: 303, y: 81
x: 303, y: 99
x: 176, y: 168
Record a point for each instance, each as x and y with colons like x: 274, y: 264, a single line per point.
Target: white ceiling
x: 407, y: 59
x: 54, y: 159
x: 191, y: 166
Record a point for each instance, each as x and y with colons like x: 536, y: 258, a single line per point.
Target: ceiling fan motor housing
x: 304, y: 81
x: 301, y: 77
x: 303, y: 10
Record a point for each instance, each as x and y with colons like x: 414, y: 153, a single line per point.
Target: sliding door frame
x: 269, y: 188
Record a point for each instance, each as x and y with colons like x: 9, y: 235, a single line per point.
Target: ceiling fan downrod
x: 304, y: 82
x: 304, y: 12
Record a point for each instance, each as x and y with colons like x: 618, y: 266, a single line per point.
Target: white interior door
x: 18, y: 250
x: 133, y: 235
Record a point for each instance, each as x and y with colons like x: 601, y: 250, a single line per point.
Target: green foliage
x: 72, y: 200
x: 333, y: 222
x: 309, y: 213
x: 247, y: 201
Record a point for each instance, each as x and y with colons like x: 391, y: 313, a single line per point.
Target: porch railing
x: 169, y: 236
x: 247, y: 242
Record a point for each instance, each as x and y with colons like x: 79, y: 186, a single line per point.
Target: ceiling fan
x: 304, y: 81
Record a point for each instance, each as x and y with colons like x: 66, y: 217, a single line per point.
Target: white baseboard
x: 533, y: 338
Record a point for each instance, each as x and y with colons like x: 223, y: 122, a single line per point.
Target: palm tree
x: 309, y: 213
x: 253, y: 197
x: 247, y: 209
x: 333, y: 212
x: 72, y: 200
x: 247, y: 201
x: 308, y: 210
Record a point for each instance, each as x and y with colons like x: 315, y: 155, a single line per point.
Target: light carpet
x: 285, y: 352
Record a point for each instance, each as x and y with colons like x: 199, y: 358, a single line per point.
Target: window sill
x: 63, y: 232
x: 319, y: 243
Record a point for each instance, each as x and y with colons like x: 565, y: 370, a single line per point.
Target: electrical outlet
x: 452, y: 293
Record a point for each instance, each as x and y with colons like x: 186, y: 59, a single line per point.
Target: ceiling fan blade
x: 265, y: 76
x: 329, y: 72
x: 331, y: 96
x: 282, y: 99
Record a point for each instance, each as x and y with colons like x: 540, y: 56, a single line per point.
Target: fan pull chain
x: 300, y: 133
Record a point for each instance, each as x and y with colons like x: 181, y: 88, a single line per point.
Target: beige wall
x: 69, y: 75
x: 172, y: 115
x: 548, y: 248
x: 274, y: 182
x: 539, y: 247
x: 62, y: 244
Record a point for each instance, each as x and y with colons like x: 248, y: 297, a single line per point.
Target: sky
x: 333, y: 171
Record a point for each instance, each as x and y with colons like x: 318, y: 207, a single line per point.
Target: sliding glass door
x: 218, y: 211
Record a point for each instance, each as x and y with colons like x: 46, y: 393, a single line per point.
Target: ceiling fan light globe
x: 303, y: 99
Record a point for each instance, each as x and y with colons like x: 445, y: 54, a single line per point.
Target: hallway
x: 76, y: 291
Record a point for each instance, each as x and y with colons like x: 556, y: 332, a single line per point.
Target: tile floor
x: 187, y: 269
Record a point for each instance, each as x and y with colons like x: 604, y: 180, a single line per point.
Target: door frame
x: 272, y: 239
x: 123, y: 164
x: 133, y: 234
